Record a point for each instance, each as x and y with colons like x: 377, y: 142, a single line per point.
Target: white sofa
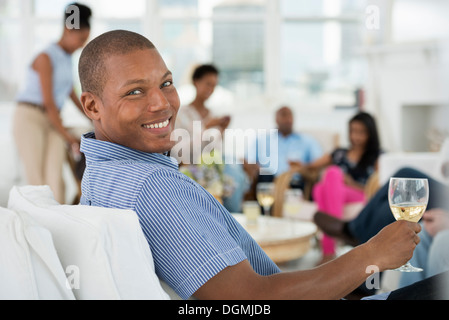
x: 426, y: 162
x: 52, y: 251
x: 429, y: 163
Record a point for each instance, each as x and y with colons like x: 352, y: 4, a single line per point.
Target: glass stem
x: 266, y: 209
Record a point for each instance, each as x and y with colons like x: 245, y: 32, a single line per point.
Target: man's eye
x: 134, y: 92
x: 167, y: 83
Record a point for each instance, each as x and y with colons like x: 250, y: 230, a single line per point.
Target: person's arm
x: 42, y: 65
x: 320, y: 163
x: 392, y: 247
x: 349, y: 181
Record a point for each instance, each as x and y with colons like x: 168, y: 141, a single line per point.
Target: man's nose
x: 157, y: 100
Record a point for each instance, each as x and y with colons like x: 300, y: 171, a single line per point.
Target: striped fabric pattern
x: 191, y: 235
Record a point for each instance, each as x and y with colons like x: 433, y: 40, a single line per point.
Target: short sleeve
x: 186, y: 231
x: 315, y: 149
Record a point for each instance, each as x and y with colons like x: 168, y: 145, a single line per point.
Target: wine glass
x: 265, y: 196
x: 408, y: 199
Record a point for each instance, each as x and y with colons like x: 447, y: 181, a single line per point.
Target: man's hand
x: 393, y: 246
x: 295, y: 165
x: 390, y: 248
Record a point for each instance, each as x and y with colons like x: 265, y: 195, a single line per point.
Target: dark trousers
x: 433, y: 288
x: 377, y: 214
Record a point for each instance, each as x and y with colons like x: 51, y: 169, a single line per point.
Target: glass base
x: 408, y: 268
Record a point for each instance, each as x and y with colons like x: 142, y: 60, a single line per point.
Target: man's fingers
x: 416, y: 227
x: 411, y: 225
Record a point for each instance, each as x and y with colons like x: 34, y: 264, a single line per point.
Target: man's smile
x: 160, y: 124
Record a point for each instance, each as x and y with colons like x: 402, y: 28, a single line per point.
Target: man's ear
x: 91, y: 105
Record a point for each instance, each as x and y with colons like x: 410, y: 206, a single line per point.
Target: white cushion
x: 29, y: 266
x: 427, y: 162
x: 104, y: 249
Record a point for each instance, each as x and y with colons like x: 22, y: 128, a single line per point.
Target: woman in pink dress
x: 346, y: 173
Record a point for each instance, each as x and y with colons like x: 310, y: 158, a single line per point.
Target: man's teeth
x: 157, y: 125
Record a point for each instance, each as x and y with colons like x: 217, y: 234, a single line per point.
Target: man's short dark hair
x: 92, y: 68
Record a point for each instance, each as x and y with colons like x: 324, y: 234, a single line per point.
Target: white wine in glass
x: 408, y: 199
x: 265, y: 196
x: 408, y: 211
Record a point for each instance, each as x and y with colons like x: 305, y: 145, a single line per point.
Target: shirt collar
x: 97, y: 150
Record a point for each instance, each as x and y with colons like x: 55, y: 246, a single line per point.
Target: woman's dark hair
x: 372, y: 148
x: 85, y: 13
x: 204, y: 69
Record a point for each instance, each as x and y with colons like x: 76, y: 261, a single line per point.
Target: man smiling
x: 198, y: 247
x: 124, y: 112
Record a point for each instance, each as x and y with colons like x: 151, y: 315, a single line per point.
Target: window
x: 102, y: 9
x: 319, y: 42
x: 10, y: 59
x: 266, y: 50
x: 229, y: 34
x: 423, y: 20
x: 238, y: 51
x: 9, y: 8
x: 179, y: 7
x: 322, y: 8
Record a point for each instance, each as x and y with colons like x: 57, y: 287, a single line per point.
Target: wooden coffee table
x: 282, y: 239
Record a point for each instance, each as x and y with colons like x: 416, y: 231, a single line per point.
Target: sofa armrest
x: 426, y: 162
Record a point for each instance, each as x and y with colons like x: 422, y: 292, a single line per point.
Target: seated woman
x: 346, y: 173
x: 205, y: 131
x: 205, y: 79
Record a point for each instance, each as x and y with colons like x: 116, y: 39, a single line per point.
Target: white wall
x: 404, y: 75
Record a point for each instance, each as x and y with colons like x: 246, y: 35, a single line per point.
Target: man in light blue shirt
x: 292, y: 147
x: 192, y: 237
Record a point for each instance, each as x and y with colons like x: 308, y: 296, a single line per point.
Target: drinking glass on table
x: 292, y: 202
x: 408, y: 199
x: 251, y: 211
x: 265, y: 195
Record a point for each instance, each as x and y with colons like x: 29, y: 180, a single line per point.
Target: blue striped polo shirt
x: 191, y: 235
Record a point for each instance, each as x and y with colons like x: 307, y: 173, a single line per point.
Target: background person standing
x: 38, y: 130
